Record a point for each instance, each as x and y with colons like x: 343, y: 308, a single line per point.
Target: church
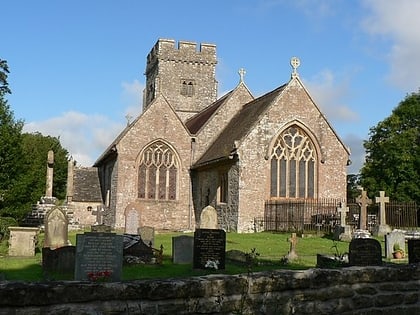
x: 189, y: 149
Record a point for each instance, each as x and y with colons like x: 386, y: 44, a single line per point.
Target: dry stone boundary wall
x: 355, y: 290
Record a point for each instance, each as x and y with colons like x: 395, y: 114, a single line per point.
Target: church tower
x: 185, y: 75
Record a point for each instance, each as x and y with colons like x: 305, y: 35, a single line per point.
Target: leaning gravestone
x: 413, y: 251
x: 209, y: 249
x: 22, y: 241
x: 365, y: 252
x: 97, y: 255
x: 182, y: 249
x: 391, y: 239
x: 56, y: 228
x: 208, y: 218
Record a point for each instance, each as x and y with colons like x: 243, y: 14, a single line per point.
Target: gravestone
x: 182, y: 249
x: 136, y: 251
x: 132, y: 222
x: 383, y: 228
x: 208, y: 218
x: 98, y: 253
x: 413, y: 251
x: 363, y: 201
x: 22, y: 241
x: 365, y: 252
x: 342, y: 232
x: 56, y: 228
x: 292, y: 252
x: 395, y: 237
x: 61, y: 260
x: 209, y: 249
x: 147, y: 234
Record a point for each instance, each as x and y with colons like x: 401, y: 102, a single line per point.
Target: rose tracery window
x: 158, y: 173
x: 293, y: 171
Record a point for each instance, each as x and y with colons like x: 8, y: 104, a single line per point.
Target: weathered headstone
x: 56, y: 228
x: 395, y: 237
x: 342, y: 232
x: 382, y: 229
x: 99, y: 256
x: 22, y: 241
x: 208, y: 218
x: 136, y: 251
x: 182, y: 249
x: 209, y: 249
x: 61, y: 260
x: 363, y: 201
x: 365, y: 252
x: 292, y: 252
x: 131, y: 222
x: 413, y: 251
x: 147, y: 234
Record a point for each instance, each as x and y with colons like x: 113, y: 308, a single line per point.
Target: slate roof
x: 195, y: 123
x: 86, y: 185
x: 238, y: 127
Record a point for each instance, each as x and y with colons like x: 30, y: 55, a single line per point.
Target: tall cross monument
x: 50, y: 174
x: 382, y: 229
x: 363, y: 201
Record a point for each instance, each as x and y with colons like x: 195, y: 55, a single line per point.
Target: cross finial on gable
x: 295, y: 63
x: 241, y: 74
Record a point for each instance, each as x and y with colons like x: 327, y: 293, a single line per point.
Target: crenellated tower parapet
x: 184, y: 72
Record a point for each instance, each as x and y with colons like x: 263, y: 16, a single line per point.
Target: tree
x: 10, y: 143
x: 393, y: 153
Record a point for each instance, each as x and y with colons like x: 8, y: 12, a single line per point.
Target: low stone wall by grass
x: 355, y: 290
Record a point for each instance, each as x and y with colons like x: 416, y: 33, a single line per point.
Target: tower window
x: 158, y: 173
x: 187, y: 88
x: 223, y: 187
x: 292, y: 160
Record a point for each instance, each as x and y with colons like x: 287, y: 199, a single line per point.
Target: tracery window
x: 158, y: 173
x: 293, y: 161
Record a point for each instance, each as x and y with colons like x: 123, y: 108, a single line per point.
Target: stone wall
x: 355, y: 290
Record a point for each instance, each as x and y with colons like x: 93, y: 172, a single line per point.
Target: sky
x: 77, y: 67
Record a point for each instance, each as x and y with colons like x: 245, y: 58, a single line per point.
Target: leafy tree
x: 10, y: 143
x: 353, y: 186
x: 393, y: 153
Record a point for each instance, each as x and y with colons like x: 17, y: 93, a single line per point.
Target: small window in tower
x: 187, y: 88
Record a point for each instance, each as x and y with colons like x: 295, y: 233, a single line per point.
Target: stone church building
x: 189, y: 149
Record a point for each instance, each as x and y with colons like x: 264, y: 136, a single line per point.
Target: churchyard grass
x: 270, y: 247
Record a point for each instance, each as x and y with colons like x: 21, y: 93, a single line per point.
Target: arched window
x: 293, y: 161
x: 187, y: 88
x: 158, y: 173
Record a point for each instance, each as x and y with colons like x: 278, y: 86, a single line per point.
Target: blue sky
x: 77, y: 67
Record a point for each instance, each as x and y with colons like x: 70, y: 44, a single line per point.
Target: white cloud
x: 132, y: 97
x: 357, y: 155
x: 397, y: 21
x: 329, y: 95
x: 84, y: 137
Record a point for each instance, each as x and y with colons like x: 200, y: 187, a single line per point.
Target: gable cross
x: 295, y: 63
x: 242, y: 73
x: 382, y: 200
x: 363, y: 201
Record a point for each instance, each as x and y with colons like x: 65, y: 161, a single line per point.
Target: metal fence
x: 322, y: 215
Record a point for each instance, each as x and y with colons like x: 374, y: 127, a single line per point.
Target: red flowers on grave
x: 99, y: 276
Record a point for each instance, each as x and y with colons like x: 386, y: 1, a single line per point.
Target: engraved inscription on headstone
x: 209, y: 249
x: 99, y: 253
x: 413, y: 251
x: 365, y: 252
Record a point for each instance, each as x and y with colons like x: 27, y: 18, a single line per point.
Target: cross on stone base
x: 293, y: 241
x: 383, y: 228
x: 363, y: 201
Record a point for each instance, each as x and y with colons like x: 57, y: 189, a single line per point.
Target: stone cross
x: 50, y: 170
x: 295, y: 63
x: 293, y: 241
x: 343, y: 213
x: 241, y: 74
x: 363, y: 201
x: 382, y: 200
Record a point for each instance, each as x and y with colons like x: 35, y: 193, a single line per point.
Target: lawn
x: 270, y: 247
